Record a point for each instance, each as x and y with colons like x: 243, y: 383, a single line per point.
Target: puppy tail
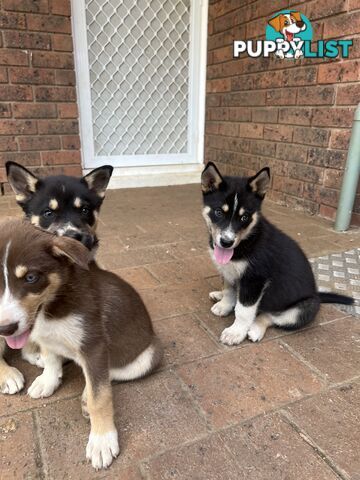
x: 330, y: 297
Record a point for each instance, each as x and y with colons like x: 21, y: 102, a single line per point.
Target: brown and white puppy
x: 51, y: 292
x: 288, y: 24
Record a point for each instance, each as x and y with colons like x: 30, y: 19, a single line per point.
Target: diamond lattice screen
x: 139, y: 75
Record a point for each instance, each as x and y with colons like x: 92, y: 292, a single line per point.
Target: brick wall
x: 294, y: 116
x: 38, y: 111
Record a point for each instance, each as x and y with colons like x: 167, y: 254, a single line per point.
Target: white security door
x: 140, y: 68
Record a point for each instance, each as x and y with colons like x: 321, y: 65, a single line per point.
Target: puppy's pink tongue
x: 223, y: 255
x: 18, y: 341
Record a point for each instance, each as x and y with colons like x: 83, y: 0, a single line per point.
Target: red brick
x: 61, y: 157
x: 281, y: 96
x: 65, y: 77
x: 228, y: 129
x: 333, y: 178
x: 279, y: 133
x: 39, y: 142
x: 265, y: 115
x: 327, y: 158
x: 70, y: 142
x: 3, y: 75
x: 211, y: 99
x: 327, y: 212
x: 344, y: 71
x: 10, y: 20
x: 34, y: 110
x: 311, y: 136
x: 57, y: 127
x: 342, y: 25
x: 239, y: 114
x: 15, y: 92
x: 55, y: 94
x: 321, y: 195
x: 13, y: 57
x: 36, y: 6
x: 324, y: 8
x: 261, y: 147
x: 291, y: 153
x: 348, y: 94
x: 17, y: 127
x: 25, y: 158
x: 68, y: 110
x: 62, y: 42
x: 7, y: 144
x: 60, y: 8
x: 251, y: 130
x: 5, y: 110
x: 333, y: 117
x: 316, y: 96
x: 295, y: 116
x: 53, y: 60
x: 340, y: 139
x: 307, y: 173
x: 72, y: 170
x: 244, y: 98
x: 354, y: 4
x: 49, y: 23
x: 31, y: 75
x: 288, y: 185
x: 299, y: 76
x: 218, y: 85
x: 37, y: 41
x: 222, y: 54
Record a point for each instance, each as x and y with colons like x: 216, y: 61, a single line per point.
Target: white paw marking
x: 43, y: 386
x: 222, y: 308
x: 33, y: 358
x: 256, y: 332
x: 13, y: 381
x: 233, y: 335
x: 102, y: 449
x: 216, y: 296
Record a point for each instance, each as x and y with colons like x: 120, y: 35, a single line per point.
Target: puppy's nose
x: 226, y: 243
x: 8, y: 329
x: 300, y: 24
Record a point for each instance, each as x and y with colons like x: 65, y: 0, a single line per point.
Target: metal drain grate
x: 339, y: 272
x: 139, y: 75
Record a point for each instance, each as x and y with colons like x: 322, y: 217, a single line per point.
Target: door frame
x: 128, y: 164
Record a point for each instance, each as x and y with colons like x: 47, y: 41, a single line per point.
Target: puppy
x: 61, y: 204
x: 267, y: 278
x: 288, y: 24
x: 51, y: 292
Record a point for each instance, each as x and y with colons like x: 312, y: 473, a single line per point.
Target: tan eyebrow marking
x: 241, y: 211
x: 21, y: 271
x: 53, y: 204
x: 225, y: 207
x: 77, y: 202
x: 20, y: 197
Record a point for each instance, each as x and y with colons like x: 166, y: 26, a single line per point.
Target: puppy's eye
x: 219, y: 213
x: 48, y: 213
x: 85, y: 211
x: 31, y: 277
x: 286, y: 22
x: 244, y: 218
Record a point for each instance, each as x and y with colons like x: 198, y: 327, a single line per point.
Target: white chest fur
x: 232, y: 271
x: 62, y: 336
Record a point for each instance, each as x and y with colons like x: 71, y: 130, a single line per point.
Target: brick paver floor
x: 286, y: 408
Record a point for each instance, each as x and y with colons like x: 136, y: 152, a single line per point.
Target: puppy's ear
x: 211, y: 178
x: 296, y: 15
x: 98, y: 179
x: 74, y: 250
x: 22, y: 181
x: 275, y: 23
x: 260, y: 182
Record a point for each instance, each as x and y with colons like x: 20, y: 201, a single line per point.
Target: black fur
x: 79, y: 222
x: 277, y: 267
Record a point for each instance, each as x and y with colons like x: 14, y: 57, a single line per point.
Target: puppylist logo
x: 289, y: 35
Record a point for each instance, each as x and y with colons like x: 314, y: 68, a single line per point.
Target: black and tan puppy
x: 51, y: 292
x: 61, y: 204
x: 267, y: 277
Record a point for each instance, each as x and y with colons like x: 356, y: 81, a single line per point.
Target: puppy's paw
x: 43, y: 386
x: 102, y: 449
x: 216, y: 296
x: 233, y: 335
x: 256, y: 332
x: 222, y: 308
x: 34, y: 358
x: 11, y: 381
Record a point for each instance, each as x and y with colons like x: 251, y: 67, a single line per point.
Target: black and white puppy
x: 267, y: 277
x: 61, y: 204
